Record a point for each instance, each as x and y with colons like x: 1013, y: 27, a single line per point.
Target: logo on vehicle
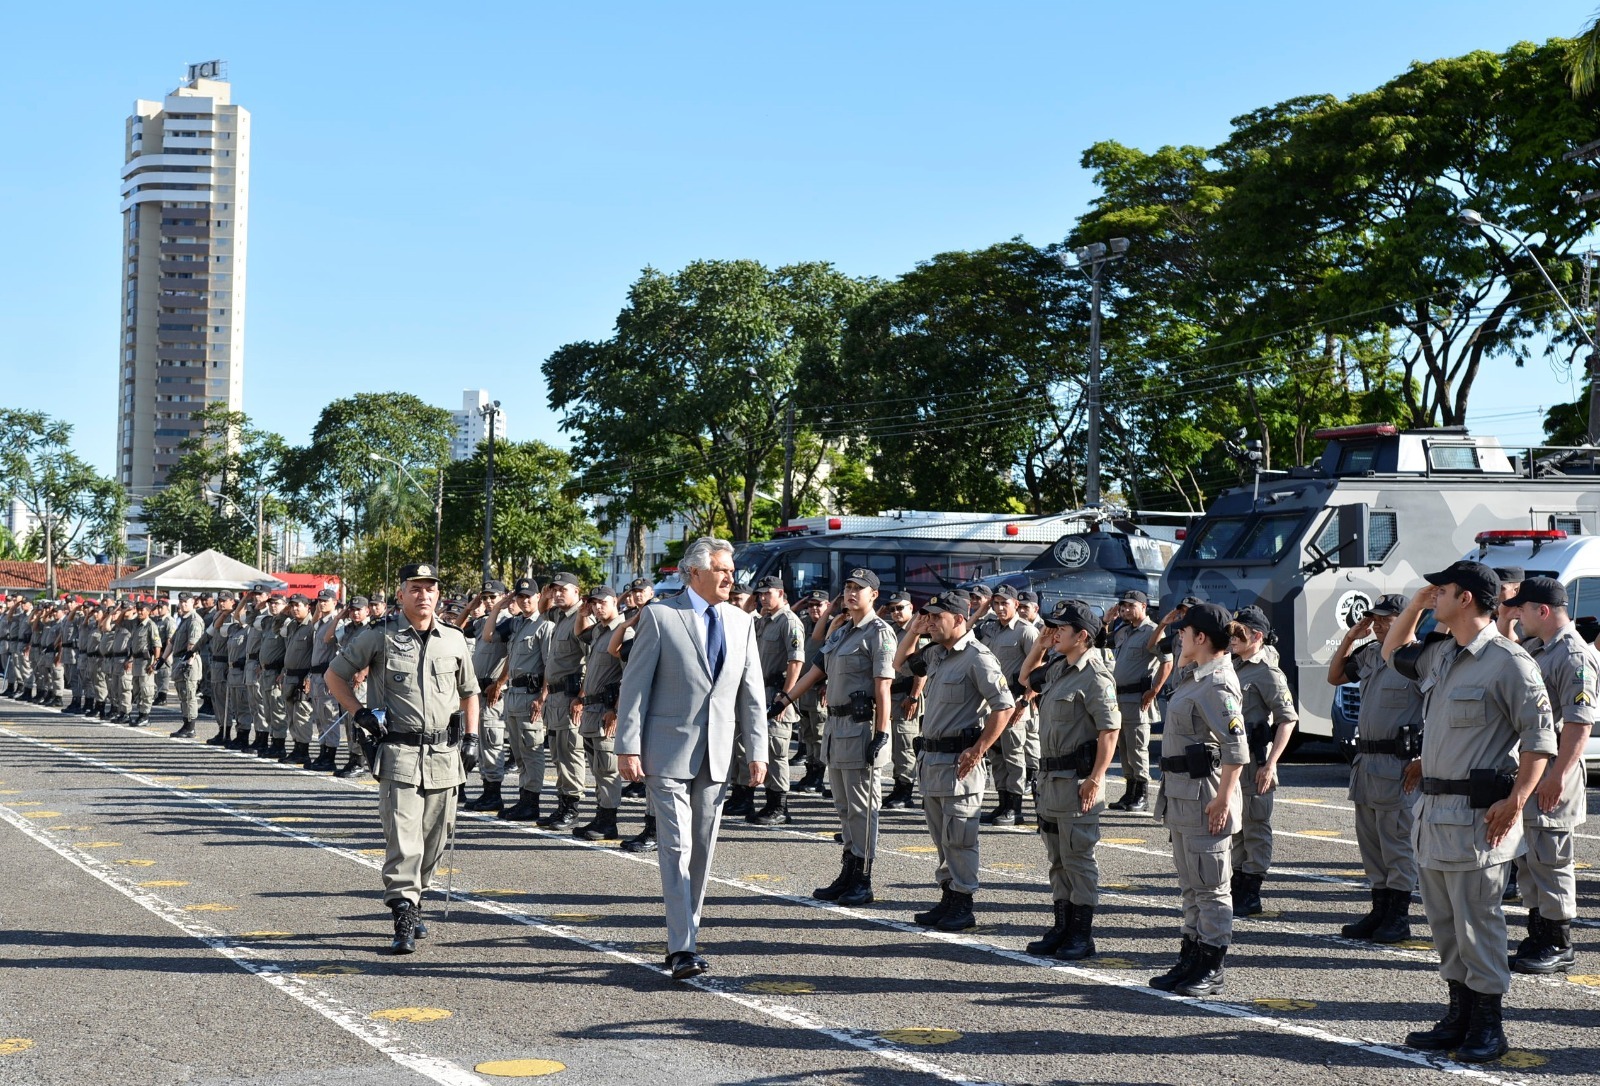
x: 1072, y: 552
x: 1353, y: 607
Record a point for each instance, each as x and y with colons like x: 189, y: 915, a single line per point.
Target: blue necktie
x: 716, y: 648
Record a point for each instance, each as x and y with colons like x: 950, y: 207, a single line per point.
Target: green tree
x: 80, y: 512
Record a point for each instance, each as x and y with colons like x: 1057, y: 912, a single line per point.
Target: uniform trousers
x: 1204, y: 876
x: 953, y: 825
x: 902, y: 736
x: 1008, y: 758
x: 1469, y: 925
x: 252, y: 690
x: 1133, y: 739
x: 1069, y: 840
x: 1383, y: 837
x: 416, y: 827
x: 297, y: 710
x: 812, y: 716
x: 144, y: 686
x: 186, y: 682
x: 779, y: 734
x: 566, y: 747
x: 100, y: 682
x: 1546, y: 875
x: 272, y: 705
x: 122, y: 700
x: 492, y: 742
x: 219, y: 688
x: 601, y: 754
x: 324, y: 711
x: 525, y: 732
x: 688, y: 813
x: 1252, y: 845
x: 238, y: 699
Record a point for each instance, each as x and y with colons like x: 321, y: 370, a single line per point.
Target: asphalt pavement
x: 175, y: 913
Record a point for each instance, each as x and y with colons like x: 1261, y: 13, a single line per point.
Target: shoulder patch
x: 1235, y: 726
x: 1230, y: 704
x: 1583, y: 698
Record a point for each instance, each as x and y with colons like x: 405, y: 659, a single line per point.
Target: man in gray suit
x: 693, y: 678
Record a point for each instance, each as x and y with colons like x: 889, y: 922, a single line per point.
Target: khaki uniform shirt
x: 322, y: 650
x: 1569, y: 667
x: 1479, y: 704
x: 145, y: 640
x: 525, y: 643
x: 1204, y: 709
x: 853, y: 657
x: 602, y: 674
x: 1136, y: 664
x: 564, y: 651
x: 780, y: 638
x: 1076, y: 703
x: 298, y: 643
x: 271, y: 646
x: 1389, y: 701
x: 419, y: 680
x: 1265, y: 701
x: 964, y: 684
x: 1009, y: 643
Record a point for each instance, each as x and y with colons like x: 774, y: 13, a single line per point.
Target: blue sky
x: 443, y: 195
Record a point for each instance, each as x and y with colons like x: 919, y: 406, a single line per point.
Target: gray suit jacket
x: 669, y: 712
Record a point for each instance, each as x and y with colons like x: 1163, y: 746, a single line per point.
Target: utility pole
x: 1588, y: 153
x: 260, y: 497
x: 438, y: 515
x: 489, y: 411
x: 788, y: 460
x: 49, y: 551
x: 1094, y: 258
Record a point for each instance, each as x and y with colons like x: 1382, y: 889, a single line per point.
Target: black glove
x: 780, y: 702
x: 469, y: 752
x: 875, y: 746
x: 371, y: 723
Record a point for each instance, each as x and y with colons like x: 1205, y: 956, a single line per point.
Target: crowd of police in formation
x: 1469, y: 752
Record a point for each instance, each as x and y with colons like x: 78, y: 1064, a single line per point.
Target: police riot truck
x: 1100, y: 554
x: 1315, y: 546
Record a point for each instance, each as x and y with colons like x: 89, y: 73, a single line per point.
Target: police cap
x: 418, y: 571
x: 497, y: 587
x: 225, y: 595
x: 1545, y: 590
x: 1388, y: 606
x: 184, y: 596
x: 863, y: 577
x: 639, y: 582
x: 1475, y: 577
x: 980, y: 592
x: 299, y: 597
x: 527, y: 586
x: 1005, y: 592
x: 769, y: 584
x: 1133, y: 595
x: 601, y: 592
x: 1074, y: 613
x: 1253, y: 618
x: 327, y: 594
x: 359, y: 601
x: 565, y: 578
x: 1509, y: 574
x: 1208, y: 619
x: 899, y: 597
x: 1026, y: 596
x: 954, y: 602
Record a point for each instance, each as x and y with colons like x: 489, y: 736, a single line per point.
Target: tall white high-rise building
x: 185, y: 212
x: 472, y: 425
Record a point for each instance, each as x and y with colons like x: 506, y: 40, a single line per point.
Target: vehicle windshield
x: 748, y: 562
x: 1262, y: 538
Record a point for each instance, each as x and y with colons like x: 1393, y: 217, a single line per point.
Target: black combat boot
x: 91, y: 707
x: 185, y: 732
x: 841, y: 883
x: 263, y: 746
x: 1486, y: 1038
x: 1395, y: 926
x: 775, y: 813
x: 1246, y: 894
x: 276, y: 749
x: 1141, y: 798
x: 488, y: 799
x: 740, y: 802
x: 1169, y: 980
x: 929, y: 918
x: 603, y: 828
x: 809, y: 781
x: 1451, y: 1030
x: 300, y: 752
x: 160, y: 698
x: 353, y: 766
x: 221, y: 738
x: 327, y: 759
x: 526, y: 809
x: 646, y: 841
x: 119, y: 717
x: 899, y: 797
x: 241, y: 738
x: 1206, y: 975
x: 1001, y: 815
x: 1079, y: 941
x: 1534, y: 938
x: 1047, y: 944
x: 138, y: 720
x: 859, y: 892
x: 1552, y: 954
x: 76, y: 704
x: 564, y: 817
x: 633, y: 790
x: 959, y: 917
x: 1129, y: 792
x: 205, y: 706
x: 1363, y: 928
x: 405, y: 926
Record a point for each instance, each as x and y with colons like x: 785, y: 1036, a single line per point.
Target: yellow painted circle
x: 1320, y: 833
x: 763, y: 878
x: 1415, y: 944
x: 268, y: 935
x: 411, y: 1014
x: 519, y: 1068
x: 332, y: 971
x: 153, y: 883
x: 137, y: 863
x: 1286, y: 1004
x: 920, y: 1036
x: 920, y: 849
x: 1353, y: 872
x: 1310, y: 801
x: 1113, y: 963
x: 372, y: 852
x: 41, y: 814
x: 1588, y: 980
x: 1518, y: 1058
x: 575, y: 918
x: 101, y: 844
x: 210, y: 907
x: 1267, y: 914
x: 1124, y: 886
x: 782, y: 987
x: 9, y: 1046
x: 25, y: 803
x: 289, y: 818
x: 1123, y: 840
x: 1582, y: 865
x: 498, y: 891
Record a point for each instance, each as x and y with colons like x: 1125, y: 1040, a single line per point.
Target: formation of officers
x: 1468, y: 772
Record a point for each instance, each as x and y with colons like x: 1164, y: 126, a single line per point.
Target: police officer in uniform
x: 324, y: 710
x: 905, y: 698
x: 781, y: 641
x: 420, y: 675
x: 299, y: 639
x: 1484, y: 701
x: 1269, y: 720
x: 144, y: 646
x: 489, y: 666
x: 1548, y: 877
x: 184, y: 650
x: 857, y: 660
x: 563, y: 671
x: 1203, y: 753
x: 1141, y: 671
x: 525, y: 637
x: 270, y: 651
x: 812, y: 705
x: 1079, y: 719
x: 1011, y: 639
x: 1389, y: 739
x: 239, y: 671
x: 217, y: 671
x: 968, y: 703
x: 597, y: 704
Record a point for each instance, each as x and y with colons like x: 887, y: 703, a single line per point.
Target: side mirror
x: 1352, y: 548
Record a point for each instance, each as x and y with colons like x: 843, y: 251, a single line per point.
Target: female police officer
x: 858, y: 656
x: 1269, y: 720
x: 1079, y: 722
x: 1203, y: 750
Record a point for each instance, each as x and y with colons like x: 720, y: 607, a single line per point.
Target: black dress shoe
x: 685, y: 964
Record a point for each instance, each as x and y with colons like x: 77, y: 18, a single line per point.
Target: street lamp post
x: 1095, y: 257
x: 490, y: 411
x: 1475, y: 219
x: 438, y: 498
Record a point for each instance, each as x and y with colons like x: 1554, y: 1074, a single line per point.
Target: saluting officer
x: 143, y: 646
x: 905, y: 698
x: 857, y: 660
x: 1548, y: 877
x: 324, y: 710
x: 1389, y: 739
x: 563, y: 669
x: 1141, y: 671
x: 1011, y: 639
x: 597, y: 704
x: 217, y: 672
x: 1269, y: 720
x: 781, y: 641
x: 299, y: 634
x: 525, y: 636
x: 812, y: 705
x: 420, y: 675
x: 489, y: 667
x: 183, y: 651
x: 1203, y: 752
x: 968, y: 703
x: 1484, y: 700
x: 1078, y: 724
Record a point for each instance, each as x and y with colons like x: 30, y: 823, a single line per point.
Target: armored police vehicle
x: 1100, y: 555
x: 1315, y: 546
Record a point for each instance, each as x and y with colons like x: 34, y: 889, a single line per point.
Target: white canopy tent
x: 209, y: 569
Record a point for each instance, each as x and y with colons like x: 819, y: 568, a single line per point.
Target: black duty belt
x: 836, y: 712
x: 526, y: 682
x: 1378, y: 746
x: 271, y: 667
x: 950, y: 744
x: 1080, y: 761
x: 220, y: 657
x: 1198, y: 760
x: 900, y: 686
x: 319, y: 669
x: 1483, y: 787
x: 416, y: 739
x: 297, y: 673
x: 254, y: 656
x: 1140, y: 687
